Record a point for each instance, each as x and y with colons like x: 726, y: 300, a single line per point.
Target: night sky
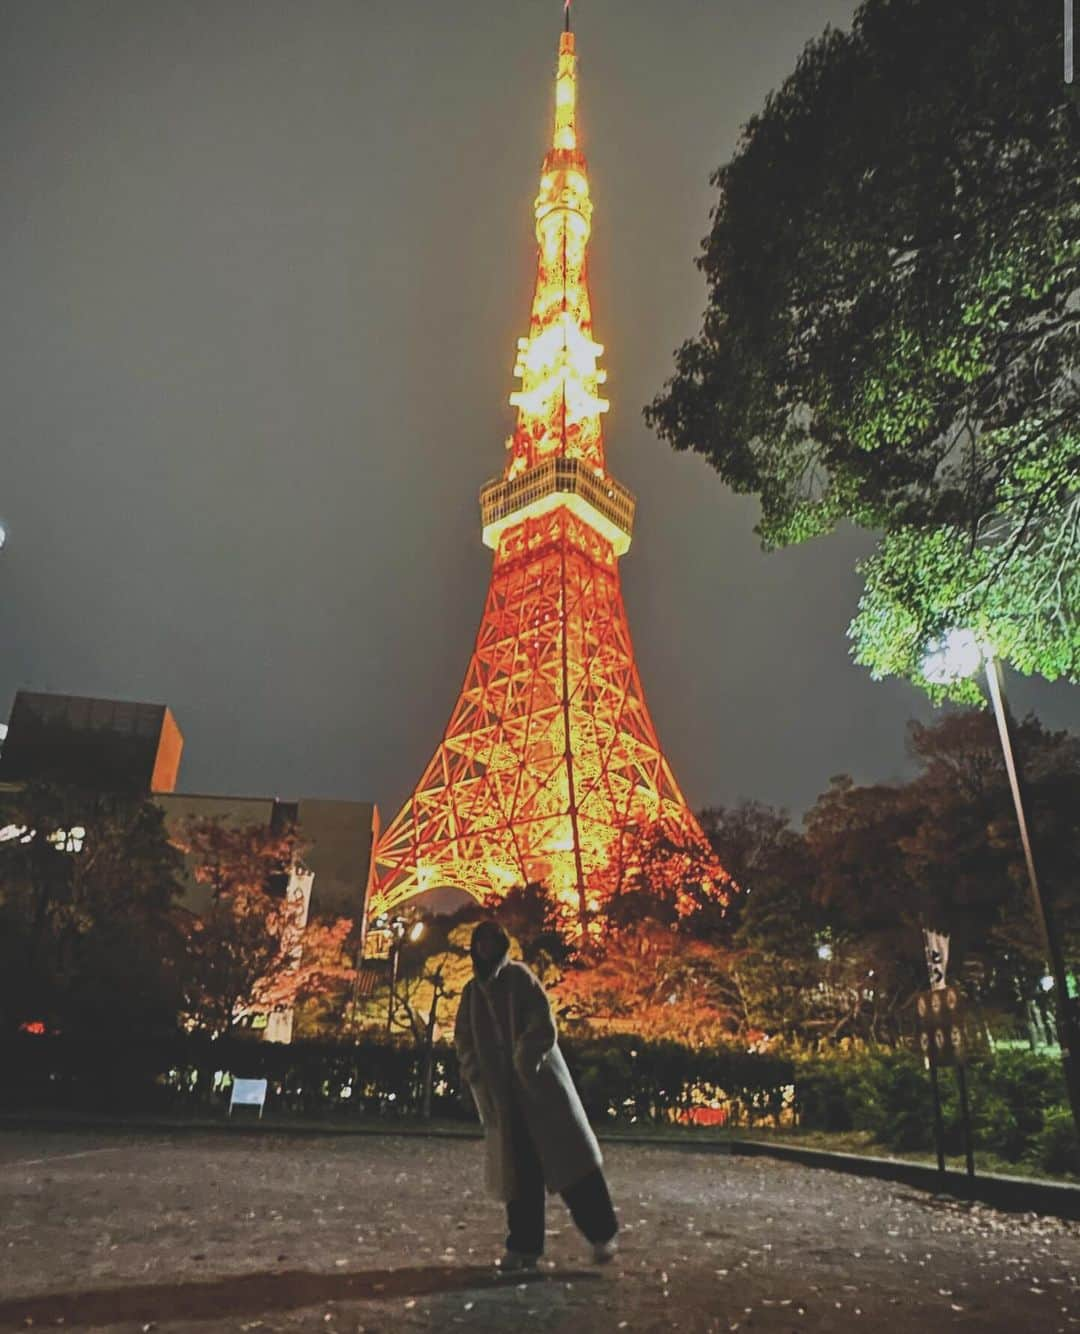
x: 263, y: 269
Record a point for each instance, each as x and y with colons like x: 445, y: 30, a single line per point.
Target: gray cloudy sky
x: 263, y: 266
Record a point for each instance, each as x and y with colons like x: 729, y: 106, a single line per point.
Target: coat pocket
x: 534, y: 1074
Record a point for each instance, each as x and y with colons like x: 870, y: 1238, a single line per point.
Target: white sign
x: 248, y: 1092
x: 937, y: 957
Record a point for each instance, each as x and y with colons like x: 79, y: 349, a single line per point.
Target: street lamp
x: 399, y: 928
x: 959, y: 654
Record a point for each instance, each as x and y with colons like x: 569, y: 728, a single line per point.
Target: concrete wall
x: 337, y: 838
x: 182, y: 807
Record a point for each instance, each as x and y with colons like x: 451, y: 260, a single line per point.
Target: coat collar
x: 487, y: 981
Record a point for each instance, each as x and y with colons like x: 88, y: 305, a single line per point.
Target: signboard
x: 936, y: 945
x: 940, y: 1018
x: 248, y: 1092
x: 378, y: 943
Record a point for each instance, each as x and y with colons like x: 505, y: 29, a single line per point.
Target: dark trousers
x: 588, y: 1199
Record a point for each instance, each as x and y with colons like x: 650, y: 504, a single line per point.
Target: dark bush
x: 1056, y: 1148
x: 888, y: 1093
x: 1027, y: 1086
x: 621, y: 1078
x: 822, y: 1097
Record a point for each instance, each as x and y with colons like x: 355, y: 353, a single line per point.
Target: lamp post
x: 400, y: 929
x: 958, y: 654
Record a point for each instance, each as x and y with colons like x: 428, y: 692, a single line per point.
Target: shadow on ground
x: 250, y: 1294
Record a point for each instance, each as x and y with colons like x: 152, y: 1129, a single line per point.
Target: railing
x: 500, y: 500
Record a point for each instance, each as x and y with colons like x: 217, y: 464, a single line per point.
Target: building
x: 337, y: 838
x: 104, y: 744
x: 128, y: 746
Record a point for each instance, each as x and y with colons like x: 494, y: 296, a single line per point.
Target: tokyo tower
x: 550, y: 753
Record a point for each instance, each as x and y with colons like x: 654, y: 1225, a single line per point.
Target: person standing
x: 536, y: 1133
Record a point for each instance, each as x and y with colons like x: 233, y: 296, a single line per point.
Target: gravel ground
x: 194, y: 1232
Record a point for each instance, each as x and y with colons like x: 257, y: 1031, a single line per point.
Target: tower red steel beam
x: 550, y: 753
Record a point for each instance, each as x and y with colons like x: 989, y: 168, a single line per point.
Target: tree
x: 776, y: 928
x: 659, y: 869
x: 870, y: 906
x: 655, y: 960
x: 444, y: 968
x: 330, y: 950
x: 966, y: 850
x: 251, y: 951
x: 892, y: 328
x: 88, y: 938
x: 942, y: 850
x: 533, y: 918
x: 649, y: 978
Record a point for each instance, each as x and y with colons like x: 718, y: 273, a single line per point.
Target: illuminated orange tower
x: 550, y: 751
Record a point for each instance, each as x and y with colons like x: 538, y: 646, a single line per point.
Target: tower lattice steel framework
x: 550, y: 752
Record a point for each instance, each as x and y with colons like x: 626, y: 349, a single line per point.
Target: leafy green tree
x: 892, y: 328
x: 88, y: 930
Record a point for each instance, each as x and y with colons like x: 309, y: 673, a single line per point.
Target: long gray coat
x: 545, y: 1091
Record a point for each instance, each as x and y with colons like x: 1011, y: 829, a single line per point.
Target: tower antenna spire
x: 566, y: 15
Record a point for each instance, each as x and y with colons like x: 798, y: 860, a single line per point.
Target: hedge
x: 621, y: 1078
x: 1017, y: 1102
x: 1017, y: 1098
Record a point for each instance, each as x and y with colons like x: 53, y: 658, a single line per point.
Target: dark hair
x: 494, y: 932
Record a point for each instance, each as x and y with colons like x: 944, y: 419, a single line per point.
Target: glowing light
x: 956, y: 655
x: 68, y: 840
x: 559, y: 406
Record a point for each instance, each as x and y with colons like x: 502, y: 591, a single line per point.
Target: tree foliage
x: 826, y: 934
x: 943, y: 850
x: 664, y: 870
x: 893, y: 325
x: 435, y: 971
x: 774, y: 923
x: 651, y: 979
x: 656, y: 959
x: 88, y: 938
x: 251, y: 951
x: 532, y: 918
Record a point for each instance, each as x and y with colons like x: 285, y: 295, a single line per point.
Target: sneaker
x: 604, y: 1251
x: 516, y: 1262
